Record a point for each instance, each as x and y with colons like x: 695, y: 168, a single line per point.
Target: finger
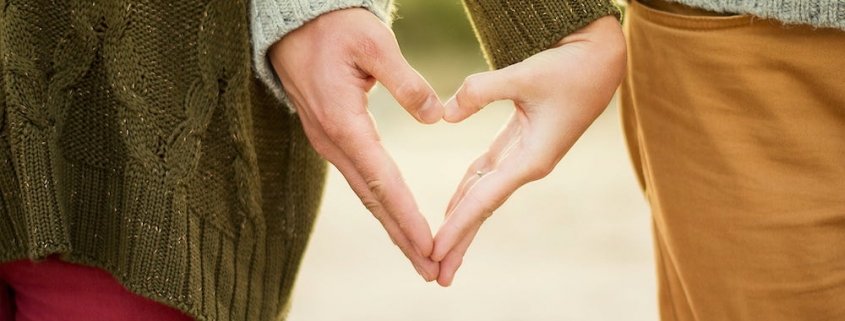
x: 505, y: 139
x: 359, y: 142
x: 324, y: 145
x: 427, y: 268
x: 471, y: 176
x: 424, y: 266
x: 479, y: 202
x: 386, y: 63
x: 453, y: 260
x: 481, y: 89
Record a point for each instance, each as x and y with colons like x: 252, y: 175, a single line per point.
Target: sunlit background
x: 574, y: 246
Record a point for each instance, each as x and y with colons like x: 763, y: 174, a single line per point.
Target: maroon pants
x: 58, y: 290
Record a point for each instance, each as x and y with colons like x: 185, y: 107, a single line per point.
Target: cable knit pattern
x: 273, y: 19
x: 135, y: 138
x: 819, y: 13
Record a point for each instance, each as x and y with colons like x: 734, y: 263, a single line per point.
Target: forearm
x: 512, y: 30
x: 273, y: 19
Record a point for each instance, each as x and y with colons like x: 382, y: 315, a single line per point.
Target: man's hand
x: 557, y: 93
x: 327, y: 68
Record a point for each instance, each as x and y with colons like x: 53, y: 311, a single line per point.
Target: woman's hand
x: 327, y: 67
x: 557, y: 93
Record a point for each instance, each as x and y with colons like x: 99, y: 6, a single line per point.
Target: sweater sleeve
x: 270, y: 20
x: 512, y: 30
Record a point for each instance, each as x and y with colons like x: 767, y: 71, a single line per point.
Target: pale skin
x: 328, y: 65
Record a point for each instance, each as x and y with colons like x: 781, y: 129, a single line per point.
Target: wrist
x: 604, y: 39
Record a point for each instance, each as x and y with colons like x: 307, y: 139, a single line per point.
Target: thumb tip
x: 451, y: 110
x: 432, y: 111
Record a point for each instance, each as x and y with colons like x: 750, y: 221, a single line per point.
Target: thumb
x: 411, y: 90
x: 479, y: 90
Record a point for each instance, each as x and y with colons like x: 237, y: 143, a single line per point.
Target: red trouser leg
x: 58, y: 290
x: 7, y: 309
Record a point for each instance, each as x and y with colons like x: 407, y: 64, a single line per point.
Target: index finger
x: 359, y: 141
x: 487, y: 194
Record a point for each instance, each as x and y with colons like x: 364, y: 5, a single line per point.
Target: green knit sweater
x: 135, y: 137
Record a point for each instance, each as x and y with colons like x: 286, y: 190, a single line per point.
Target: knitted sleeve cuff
x: 270, y: 20
x: 512, y: 30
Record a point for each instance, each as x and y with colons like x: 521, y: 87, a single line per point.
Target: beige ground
x: 575, y: 246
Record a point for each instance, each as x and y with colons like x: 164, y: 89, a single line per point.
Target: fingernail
x: 432, y: 110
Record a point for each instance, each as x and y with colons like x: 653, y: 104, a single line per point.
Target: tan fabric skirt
x: 736, y: 126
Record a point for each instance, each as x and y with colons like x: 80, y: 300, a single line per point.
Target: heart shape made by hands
x: 557, y: 94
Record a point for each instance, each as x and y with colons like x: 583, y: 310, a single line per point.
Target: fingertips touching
x: 477, y: 204
x: 452, y: 111
x: 430, y: 270
x: 413, y: 93
x: 448, y: 268
x: 452, y: 262
x: 432, y: 110
x: 402, y: 238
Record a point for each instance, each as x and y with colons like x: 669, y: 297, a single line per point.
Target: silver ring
x: 479, y: 173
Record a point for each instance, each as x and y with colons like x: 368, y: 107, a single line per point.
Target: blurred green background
x: 437, y: 38
x: 573, y: 246
x: 422, y: 25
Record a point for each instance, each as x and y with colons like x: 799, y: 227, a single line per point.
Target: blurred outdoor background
x: 574, y: 246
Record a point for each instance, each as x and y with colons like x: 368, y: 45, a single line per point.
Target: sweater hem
x: 133, y: 287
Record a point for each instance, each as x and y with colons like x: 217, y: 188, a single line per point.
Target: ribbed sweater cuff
x: 512, y: 30
x: 273, y: 19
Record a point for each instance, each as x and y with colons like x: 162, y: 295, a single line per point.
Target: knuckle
x: 412, y: 92
x: 403, y: 222
x: 524, y: 77
x: 336, y: 132
x: 369, y: 47
x: 377, y: 188
x: 486, y: 208
x: 374, y: 206
x: 486, y: 214
x: 451, y: 229
x: 470, y: 92
x: 539, y: 170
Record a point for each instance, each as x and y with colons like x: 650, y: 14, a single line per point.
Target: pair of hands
x: 328, y: 66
